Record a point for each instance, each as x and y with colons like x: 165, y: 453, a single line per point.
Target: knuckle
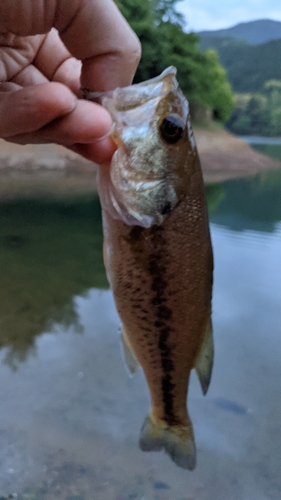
x: 134, y: 48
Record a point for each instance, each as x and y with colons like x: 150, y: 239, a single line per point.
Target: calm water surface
x: 257, y: 139
x: 270, y: 146
x: 70, y: 416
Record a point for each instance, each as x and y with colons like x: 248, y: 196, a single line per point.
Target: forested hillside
x: 164, y: 43
x: 254, y: 72
x: 254, y: 32
x: 248, y: 66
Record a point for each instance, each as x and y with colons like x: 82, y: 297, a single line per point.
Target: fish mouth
x: 126, y: 98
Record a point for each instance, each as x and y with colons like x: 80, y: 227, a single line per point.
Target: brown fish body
x: 161, y: 277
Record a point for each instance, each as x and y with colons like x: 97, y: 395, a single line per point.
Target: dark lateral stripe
x: 163, y: 323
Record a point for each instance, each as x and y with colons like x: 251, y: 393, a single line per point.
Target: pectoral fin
x: 204, y: 362
x: 130, y: 359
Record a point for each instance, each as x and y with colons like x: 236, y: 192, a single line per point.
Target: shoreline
x: 225, y: 156
x: 48, y: 169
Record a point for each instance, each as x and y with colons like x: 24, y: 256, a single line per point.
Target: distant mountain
x: 254, y: 32
x: 248, y: 66
x: 251, y: 55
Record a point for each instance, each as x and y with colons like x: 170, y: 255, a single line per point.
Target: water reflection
x: 50, y: 251
x: 273, y: 150
x: 70, y: 417
x: 215, y: 195
x: 253, y: 203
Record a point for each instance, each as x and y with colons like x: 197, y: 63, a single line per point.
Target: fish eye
x: 172, y: 128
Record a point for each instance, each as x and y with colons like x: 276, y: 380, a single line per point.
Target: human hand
x: 48, y: 50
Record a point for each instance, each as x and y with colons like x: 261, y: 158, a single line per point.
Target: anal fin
x: 204, y: 362
x: 130, y: 359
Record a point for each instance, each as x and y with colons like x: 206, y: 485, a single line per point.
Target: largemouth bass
x: 158, y: 254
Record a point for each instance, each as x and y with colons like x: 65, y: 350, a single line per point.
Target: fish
x: 158, y: 254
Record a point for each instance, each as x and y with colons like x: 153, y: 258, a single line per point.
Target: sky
x: 217, y: 14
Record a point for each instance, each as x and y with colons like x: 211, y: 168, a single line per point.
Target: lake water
x: 270, y: 146
x: 70, y: 416
x: 257, y: 139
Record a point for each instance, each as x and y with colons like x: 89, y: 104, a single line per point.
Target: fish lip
x: 98, y: 97
x: 171, y: 70
x: 123, y: 99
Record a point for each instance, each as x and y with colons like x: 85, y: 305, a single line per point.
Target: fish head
x: 155, y: 152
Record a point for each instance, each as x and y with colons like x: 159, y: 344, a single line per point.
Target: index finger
x: 99, y: 35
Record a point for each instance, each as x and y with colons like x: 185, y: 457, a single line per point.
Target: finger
x: 99, y: 36
x: 29, y: 76
x: 84, y: 130
x: 99, y: 151
x: 29, y: 109
x: 27, y: 17
x: 93, y: 31
x: 86, y: 123
x: 9, y: 87
x: 55, y: 62
x: 69, y: 73
x: 16, y: 52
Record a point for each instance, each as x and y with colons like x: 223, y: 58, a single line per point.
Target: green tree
x: 219, y: 96
x: 141, y: 17
x: 164, y: 43
x: 250, y: 115
x: 201, y: 77
x: 164, y: 10
x: 275, y: 122
x: 272, y: 89
x: 257, y: 111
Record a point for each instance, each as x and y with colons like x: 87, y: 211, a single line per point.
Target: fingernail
x: 109, y: 133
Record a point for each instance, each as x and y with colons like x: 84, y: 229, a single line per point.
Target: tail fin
x: 178, y: 442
